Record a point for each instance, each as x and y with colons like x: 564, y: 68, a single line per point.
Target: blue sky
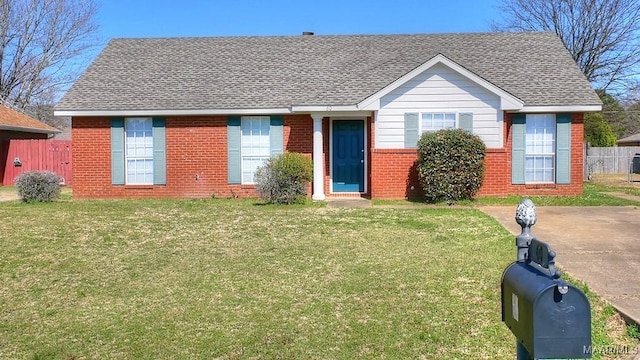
x: 171, y: 18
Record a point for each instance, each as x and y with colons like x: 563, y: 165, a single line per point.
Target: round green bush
x: 283, y: 179
x: 38, y: 186
x: 450, y: 165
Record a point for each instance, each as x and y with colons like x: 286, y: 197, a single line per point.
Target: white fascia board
x: 323, y: 108
x: 508, y: 101
x: 26, y: 129
x: 342, y: 114
x: 373, y: 105
x: 508, y: 105
x: 272, y: 111
x: 560, y: 109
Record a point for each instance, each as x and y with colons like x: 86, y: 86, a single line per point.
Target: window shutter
x: 563, y: 148
x: 276, y: 136
x: 466, y: 122
x: 411, y: 130
x: 117, y: 151
x: 159, y: 152
x: 518, y: 148
x: 234, y: 158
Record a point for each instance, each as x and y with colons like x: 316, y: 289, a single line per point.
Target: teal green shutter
x: 563, y: 148
x: 518, y: 148
x: 117, y: 151
x: 276, y: 136
x: 159, y: 152
x: 411, y: 130
x: 466, y: 122
x: 234, y: 157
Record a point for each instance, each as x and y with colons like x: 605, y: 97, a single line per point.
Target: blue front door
x: 348, y: 156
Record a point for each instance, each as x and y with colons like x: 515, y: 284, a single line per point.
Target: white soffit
x: 168, y: 112
x: 560, y: 109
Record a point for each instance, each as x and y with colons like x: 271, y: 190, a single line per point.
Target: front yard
x: 233, y: 279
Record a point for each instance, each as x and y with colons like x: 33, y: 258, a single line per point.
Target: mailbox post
x: 550, y: 318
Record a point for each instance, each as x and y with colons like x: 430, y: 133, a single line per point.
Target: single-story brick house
x: 194, y: 117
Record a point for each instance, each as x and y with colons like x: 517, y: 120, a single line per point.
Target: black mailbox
x: 549, y: 317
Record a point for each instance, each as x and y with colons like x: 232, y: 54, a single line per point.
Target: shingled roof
x: 284, y: 71
x: 630, y: 140
x: 16, y: 121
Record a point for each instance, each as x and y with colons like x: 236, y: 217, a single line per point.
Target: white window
x: 437, y: 121
x: 139, y: 151
x: 540, y: 142
x: 255, y: 148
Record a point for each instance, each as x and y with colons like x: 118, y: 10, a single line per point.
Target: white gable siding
x: 438, y: 89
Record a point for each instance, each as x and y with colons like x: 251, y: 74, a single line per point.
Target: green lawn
x: 230, y: 279
x: 594, y: 194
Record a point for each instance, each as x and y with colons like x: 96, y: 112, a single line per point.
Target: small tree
x: 42, y: 48
x: 597, y: 131
x: 450, y: 164
x: 38, y: 186
x: 284, y: 178
x: 601, y: 36
x: 614, y: 114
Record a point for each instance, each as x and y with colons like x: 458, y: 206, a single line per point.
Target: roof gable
x: 279, y: 73
x: 508, y: 101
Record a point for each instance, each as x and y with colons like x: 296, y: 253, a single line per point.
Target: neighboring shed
x: 24, y: 145
x: 633, y: 140
x: 16, y: 125
x: 195, y: 117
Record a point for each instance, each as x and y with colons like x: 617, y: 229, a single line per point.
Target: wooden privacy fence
x: 609, y: 160
x: 18, y: 156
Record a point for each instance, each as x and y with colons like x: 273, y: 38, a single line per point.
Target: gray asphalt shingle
x: 281, y: 71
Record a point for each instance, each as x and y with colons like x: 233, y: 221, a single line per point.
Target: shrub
x: 38, y: 186
x: 597, y: 131
x: 283, y: 179
x: 450, y: 165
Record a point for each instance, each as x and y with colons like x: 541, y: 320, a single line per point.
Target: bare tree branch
x: 603, y: 36
x: 39, y: 42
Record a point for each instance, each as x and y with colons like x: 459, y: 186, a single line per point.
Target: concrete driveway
x: 599, y: 245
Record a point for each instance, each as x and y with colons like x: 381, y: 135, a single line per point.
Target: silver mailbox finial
x: 526, y: 213
x: 526, y: 218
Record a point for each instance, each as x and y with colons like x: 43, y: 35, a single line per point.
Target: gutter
x: 28, y: 129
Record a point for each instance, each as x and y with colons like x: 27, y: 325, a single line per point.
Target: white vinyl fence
x: 609, y: 160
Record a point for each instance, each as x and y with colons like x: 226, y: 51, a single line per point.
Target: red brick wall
x: 196, y: 158
x: 394, y: 174
x: 197, y: 161
x: 505, y: 187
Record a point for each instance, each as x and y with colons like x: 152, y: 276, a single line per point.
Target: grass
x: 593, y: 195
x: 617, y: 183
x: 609, y: 332
x: 229, y: 279
x: 10, y: 193
x: 7, y: 189
x: 596, y: 193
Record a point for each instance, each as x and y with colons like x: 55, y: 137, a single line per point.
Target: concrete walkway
x: 599, y: 245
x: 9, y: 196
x: 348, y: 203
